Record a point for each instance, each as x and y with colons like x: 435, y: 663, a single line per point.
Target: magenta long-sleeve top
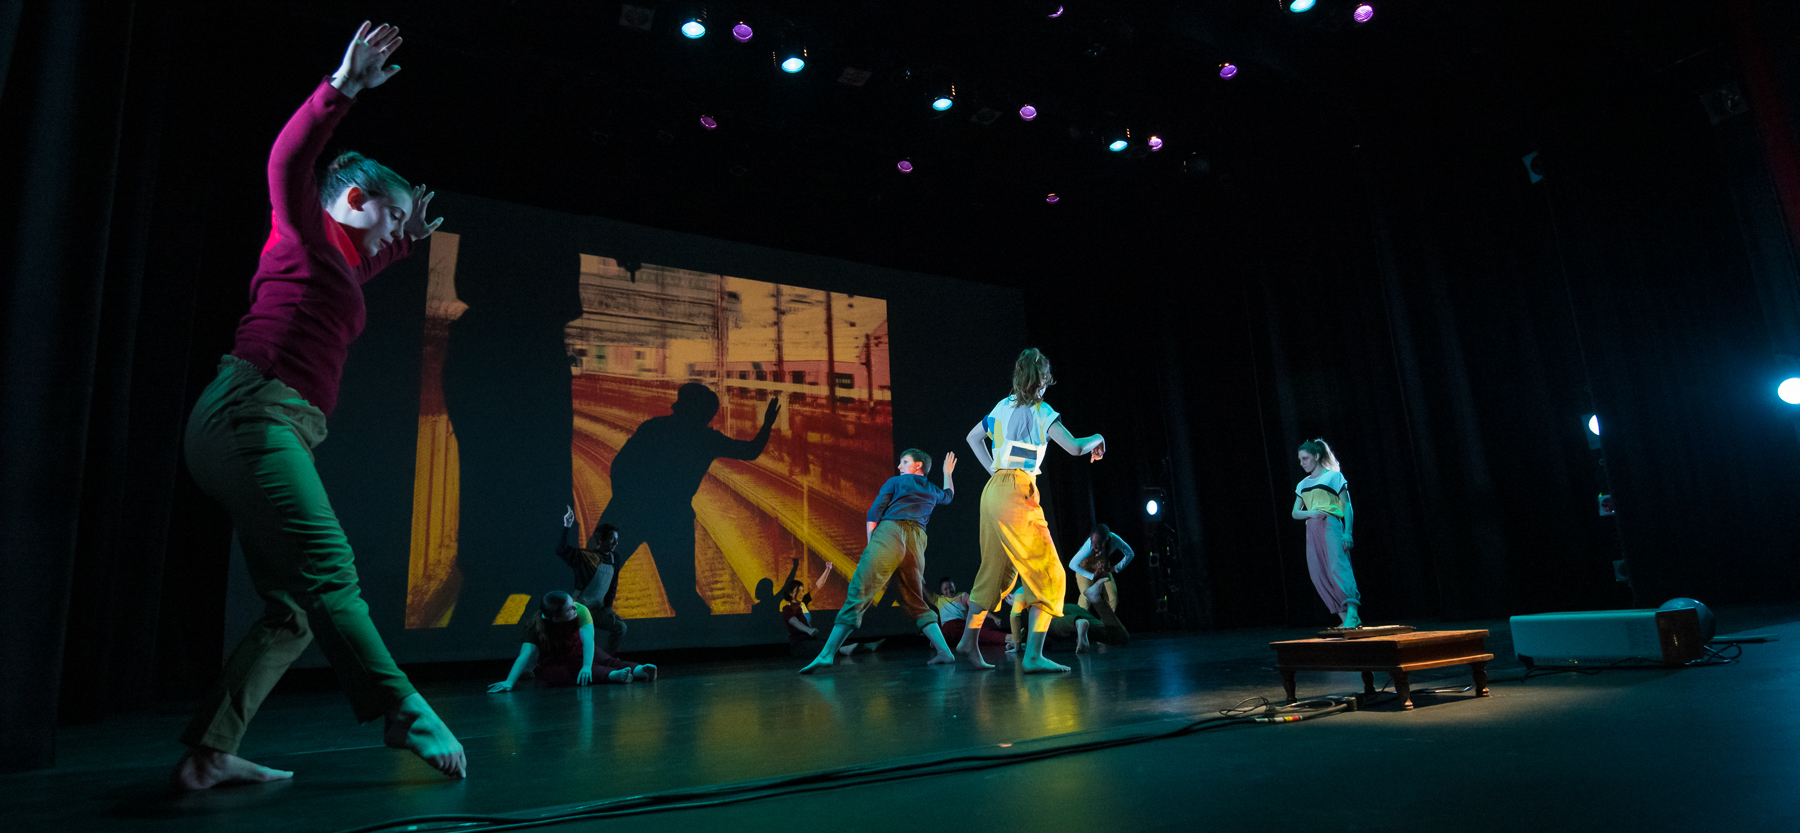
x: 306, y: 301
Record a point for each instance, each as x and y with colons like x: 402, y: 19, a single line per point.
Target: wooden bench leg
x: 1287, y: 684
x: 1479, y: 669
x: 1368, y: 683
x: 1402, y: 688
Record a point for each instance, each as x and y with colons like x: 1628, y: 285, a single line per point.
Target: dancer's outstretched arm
x: 527, y: 655
x: 949, y: 486
x: 1094, y: 446
x: 753, y: 448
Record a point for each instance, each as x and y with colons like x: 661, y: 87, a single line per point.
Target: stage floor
x: 1628, y: 749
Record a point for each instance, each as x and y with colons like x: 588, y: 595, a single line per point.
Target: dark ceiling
x: 558, y: 104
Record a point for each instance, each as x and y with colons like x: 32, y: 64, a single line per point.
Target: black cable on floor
x: 849, y: 776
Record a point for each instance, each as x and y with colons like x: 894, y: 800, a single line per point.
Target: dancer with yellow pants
x: 1015, y: 538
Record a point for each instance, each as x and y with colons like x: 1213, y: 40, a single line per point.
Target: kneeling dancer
x: 896, y: 530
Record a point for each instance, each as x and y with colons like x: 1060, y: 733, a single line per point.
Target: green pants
x: 896, y: 550
x: 249, y: 446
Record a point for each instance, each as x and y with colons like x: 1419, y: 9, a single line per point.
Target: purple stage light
x: 1057, y: 13
x: 1364, y: 13
x: 708, y: 123
x: 1155, y: 143
x: 904, y: 166
x: 1227, y: 71
x: 742, y: 32
x: 1028, y: 112
x: 1053, y: 199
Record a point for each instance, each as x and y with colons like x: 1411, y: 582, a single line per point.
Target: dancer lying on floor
x: 559, y: 639
x: 251, y: 436
x: 896, y: 549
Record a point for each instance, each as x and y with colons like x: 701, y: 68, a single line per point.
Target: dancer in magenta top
x: 250, y: 438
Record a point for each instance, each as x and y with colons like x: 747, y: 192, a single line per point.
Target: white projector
x: 1605, y: 637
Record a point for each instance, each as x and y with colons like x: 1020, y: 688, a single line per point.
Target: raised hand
x: 949, y: 462
x: 366, y: 59
x: 569, y: 518
x: 416, y: 227
x: 773, y: 411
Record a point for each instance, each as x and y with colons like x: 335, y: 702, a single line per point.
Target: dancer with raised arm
x: 1015, y: 538
x: 896, y: 549
x: 1322, y: 500
x: 251, y: 436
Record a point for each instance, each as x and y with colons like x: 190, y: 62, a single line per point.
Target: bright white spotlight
x: 1151, y: 507
x: 1298, y: 6
x: 792, y: 65
x: 1594, y: 424
x: 1790, y: 391
x: 693, y: 29
x: 1117, y: 145
x: 942, y: 103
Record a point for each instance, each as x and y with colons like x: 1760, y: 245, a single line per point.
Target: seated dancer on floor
x: 796, y: 617
x: 594, y: 571
x: 1099, y: 561
x: 1322, y: 500
x: 896, y: 550
x: 559, y: 639
x: 251, y: 435
x: 953, y: 616
x: 1015, y: 537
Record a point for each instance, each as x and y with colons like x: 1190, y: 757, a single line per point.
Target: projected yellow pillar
x: 432, y: 579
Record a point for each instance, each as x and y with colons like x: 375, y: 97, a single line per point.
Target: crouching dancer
x: 896, y: 530
x: 560, y: 640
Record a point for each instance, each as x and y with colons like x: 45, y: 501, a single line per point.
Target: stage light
x: 1227, y: 71
x: 1053, y: 199
x: 1363, y: 14
x: 708, y: 123
x: 1151, y: 507
x: 1789, y: 391
x: 905, y: 166
x: 1593, y: 424
x: 1298, y: 6
x: 693, y: 29
x: 1028, y: 112
x: 1118, y: 145
x: 942, y: 103
x: 1155, y: 142
x: 793, y: 65
x: 1154, y: 503
x: 742, y: 32
x: 1057, y: 13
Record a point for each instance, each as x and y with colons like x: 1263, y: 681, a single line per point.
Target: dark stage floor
x: 1698, y: 748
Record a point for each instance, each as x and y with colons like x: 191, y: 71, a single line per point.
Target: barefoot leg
x: 828, y: 654
x: 1033, y: 659
x: 935, y: 635
x: 202, y: 768
x: 970, y: 643
x: 413, y: 726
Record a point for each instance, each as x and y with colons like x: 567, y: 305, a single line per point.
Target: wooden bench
x: 1398, y: 655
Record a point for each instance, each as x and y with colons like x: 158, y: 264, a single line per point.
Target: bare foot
x: 1041, y: 665
x: 1081, y: 647
x: 847, y: 650
x: 823, y: 660
x: 941, y: 658
x: 202, y: 769
x: 874, y: 646
x: 621, y: 675
x: 973, y: 655
x: 416, y: 728
x: 644, y: 672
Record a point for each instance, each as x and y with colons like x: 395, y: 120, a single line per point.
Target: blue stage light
x: 693, y: 29
x: 1298, y: 6
x: 1790, y: 391
x: 792, y: 65
x: 942, y: 103
x: 1117, y: 145
x: 1593, y: 424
